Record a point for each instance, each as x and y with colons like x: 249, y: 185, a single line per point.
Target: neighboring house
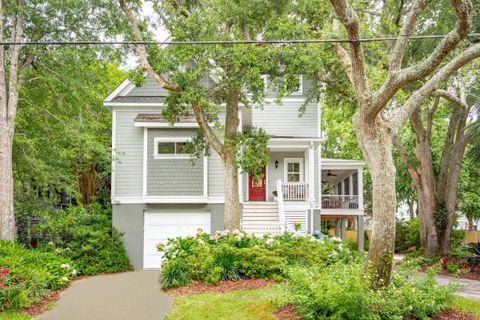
x: 157, y: 193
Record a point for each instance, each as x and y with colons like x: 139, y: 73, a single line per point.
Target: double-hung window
x: 293, y: 170
x: 174, y: 147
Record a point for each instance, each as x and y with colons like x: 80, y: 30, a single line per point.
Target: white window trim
x: 286, y: 161
x: 169, y: 156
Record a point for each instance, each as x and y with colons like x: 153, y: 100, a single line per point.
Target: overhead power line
x: 223, y: 42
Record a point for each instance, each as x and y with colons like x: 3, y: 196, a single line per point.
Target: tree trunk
x: 232, y: 198
x: 376, y: 143
x: 426, y: 196
x: 7, y: 223
x: 470, y: 224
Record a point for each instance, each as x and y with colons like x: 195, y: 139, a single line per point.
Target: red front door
x: 257, y: 188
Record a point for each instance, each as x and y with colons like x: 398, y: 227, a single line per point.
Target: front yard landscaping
x: 320, y: 278
x: 77, y: 242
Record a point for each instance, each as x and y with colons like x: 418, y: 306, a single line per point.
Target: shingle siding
x: 148, y: 89
x: 128, y: 174
x: 172, y: 177
x: 215, y: 176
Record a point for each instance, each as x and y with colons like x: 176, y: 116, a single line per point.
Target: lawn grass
x: 14, y: 315
x: 467, y: 305
x: 240, y: 304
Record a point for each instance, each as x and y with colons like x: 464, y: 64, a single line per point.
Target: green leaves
x: 252, y: 151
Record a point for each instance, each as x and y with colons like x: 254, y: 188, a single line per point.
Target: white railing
x: 294, y: 191
x: 339, y: 202
x: 281, y: 212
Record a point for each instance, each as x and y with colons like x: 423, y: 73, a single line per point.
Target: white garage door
x: 160, y: 226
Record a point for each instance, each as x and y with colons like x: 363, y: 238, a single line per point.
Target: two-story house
x: 158, y: 194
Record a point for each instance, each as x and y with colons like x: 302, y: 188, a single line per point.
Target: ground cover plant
x: 238, y: 255
x: 85, y: 235
x: 28, y: 275
x: 337, y: 292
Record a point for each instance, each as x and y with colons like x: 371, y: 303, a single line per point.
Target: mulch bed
x: 287, y: 313
x: 41, y: 306
x: 469, y: 275
x: 224, y: 286
x: 454, y: 314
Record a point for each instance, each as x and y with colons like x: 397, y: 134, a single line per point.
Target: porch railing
x: 339, y: 202
x: 294, y: 191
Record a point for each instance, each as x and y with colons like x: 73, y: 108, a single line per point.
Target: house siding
x: 285, y: 119
x: 172, y: 177
x: 274, y: 174
x: 128, y: 173
x: 149, y: 89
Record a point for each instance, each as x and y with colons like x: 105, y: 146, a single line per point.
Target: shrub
x: 238, y: 255
x: 337, y: 292
x: 407, y: 235
x: 452, y: 268
x: 85, y: 235
x: 27, y: 275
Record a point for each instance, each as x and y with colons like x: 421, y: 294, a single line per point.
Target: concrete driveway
x: 129, y: 295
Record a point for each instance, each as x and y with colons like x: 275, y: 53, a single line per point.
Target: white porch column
x: 311, y: 173
x: 360, y: 188
x: 350, y: 185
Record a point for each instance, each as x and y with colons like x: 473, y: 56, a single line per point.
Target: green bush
x: 407, y: 235
x: 27, y: 275
x: 452, y: 268
x: 337, y: 292
x: 238, y: 255
x: 85, y: 235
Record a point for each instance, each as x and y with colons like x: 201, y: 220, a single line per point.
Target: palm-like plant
x: 474, y: 250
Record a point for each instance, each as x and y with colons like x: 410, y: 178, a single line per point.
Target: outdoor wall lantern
x: 276, y: 164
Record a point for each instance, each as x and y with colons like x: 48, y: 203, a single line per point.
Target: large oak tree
x: 382, y: 111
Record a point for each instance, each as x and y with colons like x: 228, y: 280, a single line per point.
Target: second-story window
x: 170, y: 148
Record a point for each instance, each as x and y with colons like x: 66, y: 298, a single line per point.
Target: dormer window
x: 170, y: 148
x: 270, y: 87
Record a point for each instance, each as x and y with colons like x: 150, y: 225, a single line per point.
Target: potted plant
x: 275, y: 194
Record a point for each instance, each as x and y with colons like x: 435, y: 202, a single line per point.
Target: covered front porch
x: 292, y: 162
x: 342, y: 186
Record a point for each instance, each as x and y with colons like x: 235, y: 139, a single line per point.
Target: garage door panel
x: 159, y: 227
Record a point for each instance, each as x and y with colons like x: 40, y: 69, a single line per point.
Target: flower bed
x: 238, y: 255
x: 26, y: 276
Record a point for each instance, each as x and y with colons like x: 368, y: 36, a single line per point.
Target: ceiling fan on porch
x: 330, y: 174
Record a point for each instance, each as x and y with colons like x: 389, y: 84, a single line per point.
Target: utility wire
x: 222, y: 42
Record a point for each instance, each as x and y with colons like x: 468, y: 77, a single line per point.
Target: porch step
x: 260, y: 213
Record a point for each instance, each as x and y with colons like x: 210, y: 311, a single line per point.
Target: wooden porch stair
x: 261, y: 218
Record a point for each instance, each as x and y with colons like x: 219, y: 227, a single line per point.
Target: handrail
x: 281, y: 213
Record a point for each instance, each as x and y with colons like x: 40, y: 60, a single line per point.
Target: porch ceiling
x: 336, y: 175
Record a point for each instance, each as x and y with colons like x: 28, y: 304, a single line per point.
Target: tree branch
x: 207, y: 131
x: 399, y: 78
x: 405, y: 159
x: 345, y: 60
x: 451, y: 98
x: 405, y: 32
x: 430, y: 114
x: 142, y: 53
x: 349, y: 19
x: 401, y: 114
